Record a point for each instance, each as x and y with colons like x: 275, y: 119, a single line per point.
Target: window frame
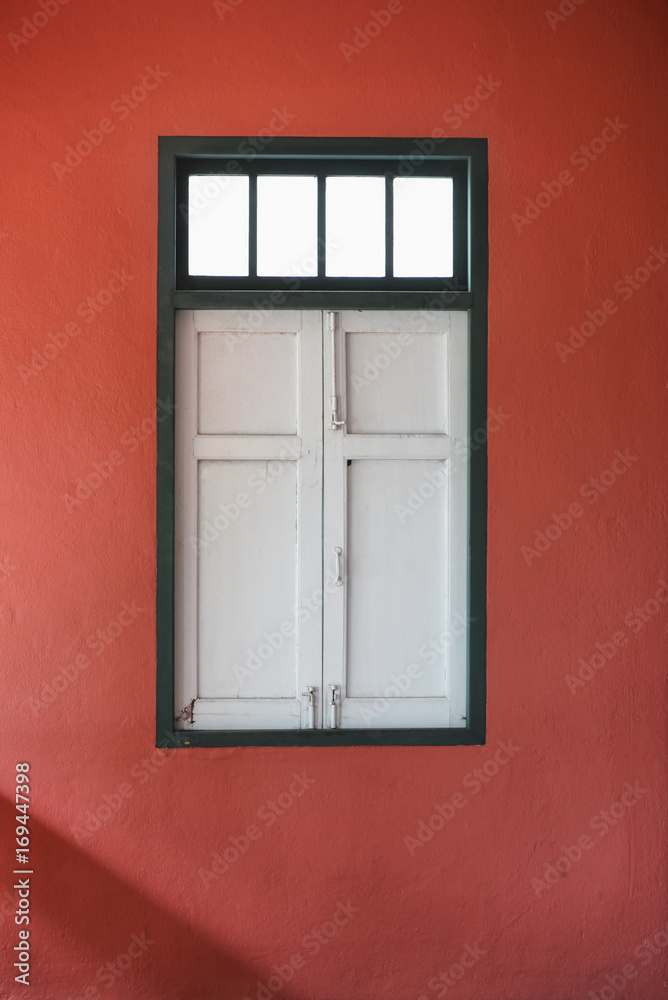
x: 465, y: 159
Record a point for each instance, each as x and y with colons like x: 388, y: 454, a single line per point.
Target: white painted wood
x: 247, y: 446
x: 396, y: 382
x: 253, y: 511
x: 243, y: 322
x: 247, y: 384
x: 388, y: 503
x: 257, y: 538
x: 395, y: 321
x: 335, y: 565
x: 247, y: 580
x: 308, y: 610
x: 458, y: 528
x: 396, y: 574
x: 185, y: 517
x: 391, y: 712
x: 397, y: 446
x: 258, y: 713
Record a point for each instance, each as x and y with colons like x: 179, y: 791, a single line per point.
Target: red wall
x: 67, y: 568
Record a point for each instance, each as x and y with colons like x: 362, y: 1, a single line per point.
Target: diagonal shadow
x: 84, y: 915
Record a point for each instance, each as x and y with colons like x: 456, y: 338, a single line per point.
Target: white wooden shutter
x: 248, y: 517
x: 395, y: 504
x: 289, y: 532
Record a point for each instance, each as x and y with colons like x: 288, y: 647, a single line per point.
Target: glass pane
x: 423, y: 227
x: 355, y: 208
x: 218, y: 225
x: 287, y: 225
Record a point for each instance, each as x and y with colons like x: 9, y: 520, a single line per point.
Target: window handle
x: 310, y: 707
x: 338, y: 552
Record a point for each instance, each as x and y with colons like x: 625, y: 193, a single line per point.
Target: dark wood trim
x: 247, y: 149
x: 479, y: 265
x: 389, y: 227
x: 252, y: 228
x: 287, y: 299
x: 165, y: 445
x: 322, y: 228
x: 320, y: 737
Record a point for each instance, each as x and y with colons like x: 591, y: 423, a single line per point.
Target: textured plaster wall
x: 77, y: 575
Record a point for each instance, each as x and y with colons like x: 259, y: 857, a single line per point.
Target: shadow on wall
x: 91, y: 931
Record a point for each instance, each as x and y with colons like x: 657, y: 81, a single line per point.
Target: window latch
x: 331, y: 706
x: 334, y: 400
x: 334, y: 422
x: 310, y: 707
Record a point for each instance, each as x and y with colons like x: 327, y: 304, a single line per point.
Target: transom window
x: 359, y: 214
x: 326, y: 223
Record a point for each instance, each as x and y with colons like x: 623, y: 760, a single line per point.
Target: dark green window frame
x: 465, y: 160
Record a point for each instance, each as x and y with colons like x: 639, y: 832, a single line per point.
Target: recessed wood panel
x: 396, y: 569
x: 247, y: 579
x: 247, y: 382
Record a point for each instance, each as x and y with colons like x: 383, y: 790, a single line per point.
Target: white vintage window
x: 321, y: 526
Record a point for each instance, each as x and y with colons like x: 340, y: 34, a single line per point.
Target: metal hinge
x: 310, y: 707
x: 331, y: 707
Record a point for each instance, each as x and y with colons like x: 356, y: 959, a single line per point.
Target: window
x: 335, y: 222
x: 321, y: 515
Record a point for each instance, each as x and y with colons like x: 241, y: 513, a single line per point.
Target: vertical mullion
x: 334, y: 524
x: 252, y: 225
x: 309, y: 517
x: 389, y: 226
x: 322, y: 235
